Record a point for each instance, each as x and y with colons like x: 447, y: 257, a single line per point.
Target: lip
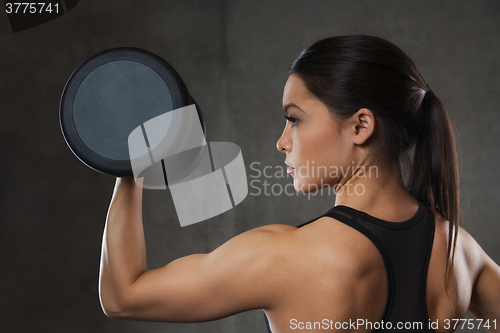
x: 290, y: 169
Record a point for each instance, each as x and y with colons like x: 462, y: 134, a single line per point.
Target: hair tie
x: 427, y: 97
x: 429, y: 94
x: 427, y: 113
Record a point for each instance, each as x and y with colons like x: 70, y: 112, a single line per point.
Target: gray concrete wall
x: 233, y: 55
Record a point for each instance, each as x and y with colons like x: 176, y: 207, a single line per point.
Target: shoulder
x: 470, y: 249
x: 336, y: 246
x: 268, y: 236
x: 469, y: 261
x: 466, y: 244
x: 469, y: 256
x: 277, y: 259
x: 325, y: 243
x: 260, y: 249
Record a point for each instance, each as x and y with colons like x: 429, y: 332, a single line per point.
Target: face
x: 314, y: 145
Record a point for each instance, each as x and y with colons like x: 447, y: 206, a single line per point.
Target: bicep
x: 485, y: 300
x: 204, y: 287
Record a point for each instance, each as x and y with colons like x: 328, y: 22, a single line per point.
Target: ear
x: 363, y: 126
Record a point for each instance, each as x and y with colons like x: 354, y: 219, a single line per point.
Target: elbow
x: 112, y: 300
x: 118, y: 302
x: 113, y: 312
x: 113, y: 307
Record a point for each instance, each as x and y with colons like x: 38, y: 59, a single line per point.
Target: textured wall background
x: 233, y: 56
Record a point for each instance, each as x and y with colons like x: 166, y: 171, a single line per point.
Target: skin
x: 323, y: 270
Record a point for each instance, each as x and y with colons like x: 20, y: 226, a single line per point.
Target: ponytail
x: 433, y: 177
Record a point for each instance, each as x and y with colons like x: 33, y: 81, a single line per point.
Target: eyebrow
x: 291, y: 105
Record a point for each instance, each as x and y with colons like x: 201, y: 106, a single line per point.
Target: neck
x: 378, y: 191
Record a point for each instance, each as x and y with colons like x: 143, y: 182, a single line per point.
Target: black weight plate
x: 111, y: 94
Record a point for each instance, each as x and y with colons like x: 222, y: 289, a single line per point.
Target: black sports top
x: 405, y: 248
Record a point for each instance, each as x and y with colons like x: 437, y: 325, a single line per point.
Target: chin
x: 306, y: 186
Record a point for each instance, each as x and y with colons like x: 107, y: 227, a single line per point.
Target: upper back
x: 338, y: 275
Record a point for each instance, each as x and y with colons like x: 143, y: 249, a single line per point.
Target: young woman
x: 388, y: 255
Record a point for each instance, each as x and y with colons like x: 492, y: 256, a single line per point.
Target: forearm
x: 123, y: 257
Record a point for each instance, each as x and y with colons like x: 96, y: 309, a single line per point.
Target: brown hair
x: 348, y: 73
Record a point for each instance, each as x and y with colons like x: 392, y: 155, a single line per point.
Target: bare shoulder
x: 338, y: 246
x: 325, y: 243
x: 471, y: 250
x: 469, y: 256
x: 262, y: 240
x: 324, y: 235
x: 258, y: 251
x: 274, y: 230
x: 346, y: 267
x: 476, y: 278
x: 266, y: 237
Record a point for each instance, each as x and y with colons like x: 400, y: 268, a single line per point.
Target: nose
x: 284, y: 143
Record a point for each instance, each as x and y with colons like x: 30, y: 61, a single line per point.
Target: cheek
x: 325, y: 154
x: 324, y: 150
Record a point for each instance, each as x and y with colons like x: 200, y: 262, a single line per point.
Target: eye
x: 292, y: 120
